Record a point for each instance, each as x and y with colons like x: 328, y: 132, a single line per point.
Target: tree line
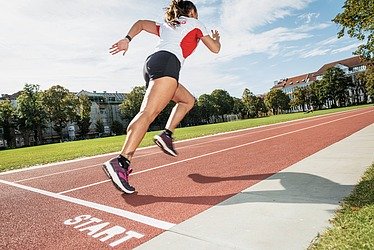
x: 35, y: 109
x: 335, y: 89
x: 59, y: 107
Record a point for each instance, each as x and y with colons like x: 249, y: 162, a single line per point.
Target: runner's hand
x: 215, y: 35
x: 121, y: 45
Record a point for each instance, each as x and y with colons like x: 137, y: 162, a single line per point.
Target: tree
x: 60, y: 106
x: 369, y: 82
x: 251, y: 107
x: 359, y: 82
x: 222, y: 101
x: 8, y: 122
x: 317, y: 96
x: 206, y: 107
x: 299, y: 98
x: 337, y: 85
x: 117, y: 128
x: 261, y: 106
x: 277, y: 101
x: 31, y: 113
x: 238, y: 107
x: 83, y: 115
x: 100, y: 127
x: 358, y: 20
x: 131, y: 105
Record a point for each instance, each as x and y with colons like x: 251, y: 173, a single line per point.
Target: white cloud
x: 48, y: 42
x: 312, y: 27
x: 329, y: 41
x: 315, y: 52
x: 239, y: 15
x: 346, y: 48
x: 308, y: 17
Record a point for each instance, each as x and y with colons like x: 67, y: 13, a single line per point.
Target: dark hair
x: 176, y: 9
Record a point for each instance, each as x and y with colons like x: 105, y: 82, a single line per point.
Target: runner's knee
x: 190, y: 102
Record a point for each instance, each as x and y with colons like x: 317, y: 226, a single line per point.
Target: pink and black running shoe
x: 165, y: 142
x: 118, y: 170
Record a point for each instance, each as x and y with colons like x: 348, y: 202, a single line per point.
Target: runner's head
x: 178, y: 8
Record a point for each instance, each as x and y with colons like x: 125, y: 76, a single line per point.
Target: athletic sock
x: 168, y: 132
x: 124, y: 161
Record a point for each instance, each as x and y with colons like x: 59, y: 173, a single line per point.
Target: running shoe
x: 118, y: 170
x: 165, y: 142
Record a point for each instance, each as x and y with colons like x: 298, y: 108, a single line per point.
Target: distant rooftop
x: 300, y: 79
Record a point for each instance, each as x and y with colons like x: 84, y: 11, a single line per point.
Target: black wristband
x: 128, y: 37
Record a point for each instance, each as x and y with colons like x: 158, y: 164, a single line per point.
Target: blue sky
x: 66, y: 42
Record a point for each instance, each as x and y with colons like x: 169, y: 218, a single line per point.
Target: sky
x: 64, y: 42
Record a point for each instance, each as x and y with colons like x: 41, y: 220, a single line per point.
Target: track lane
x: 177, y: 191
x: 184, y: 185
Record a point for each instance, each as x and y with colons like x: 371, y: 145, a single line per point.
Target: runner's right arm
x: 137, y: 27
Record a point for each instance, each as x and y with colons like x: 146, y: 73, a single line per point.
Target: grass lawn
x: 30, y: 156
x: 353, y: 225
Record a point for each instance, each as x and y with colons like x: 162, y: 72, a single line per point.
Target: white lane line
x: 52, y: 174
x: 82, y: 187
x: 222, y: 150
x: 289, y: 123
x: 115, y: 211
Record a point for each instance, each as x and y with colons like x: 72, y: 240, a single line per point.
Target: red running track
x: 73, y: 205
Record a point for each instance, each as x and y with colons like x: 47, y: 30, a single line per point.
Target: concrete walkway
x: 285, y: 211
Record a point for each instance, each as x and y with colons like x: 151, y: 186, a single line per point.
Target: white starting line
x: 116, y: 211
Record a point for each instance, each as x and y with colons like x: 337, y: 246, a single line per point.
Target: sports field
x: 10, y: 159
x: 211, y: 189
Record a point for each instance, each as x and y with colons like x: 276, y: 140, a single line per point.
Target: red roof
x: 294, y: 81
x: 297, y: 80
x: 349, y: 62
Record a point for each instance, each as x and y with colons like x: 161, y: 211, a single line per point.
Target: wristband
x: 129, y: 38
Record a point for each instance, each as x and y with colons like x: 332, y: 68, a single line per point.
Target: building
x: 350, y: 66
x: 288, y: 85
x: 104, y: 107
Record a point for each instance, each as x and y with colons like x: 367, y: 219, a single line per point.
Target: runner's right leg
x: 157, y: 96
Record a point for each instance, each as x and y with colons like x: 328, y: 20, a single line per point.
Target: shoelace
x: 125, y: 174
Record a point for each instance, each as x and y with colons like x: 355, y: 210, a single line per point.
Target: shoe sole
x: 159, y: 142
x: 109, y: 171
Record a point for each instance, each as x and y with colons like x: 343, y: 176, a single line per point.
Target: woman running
x: 179, y: 36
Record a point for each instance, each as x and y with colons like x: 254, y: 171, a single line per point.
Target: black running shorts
x: 160, y: 64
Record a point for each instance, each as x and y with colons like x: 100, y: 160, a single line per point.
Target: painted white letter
x: 88, y: 222
x: 130, y: 234
x: 110, y: 232
x: 94, y: 229
x: 77, y: 219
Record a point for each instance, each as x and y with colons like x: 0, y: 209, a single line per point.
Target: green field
x: 30, y: 156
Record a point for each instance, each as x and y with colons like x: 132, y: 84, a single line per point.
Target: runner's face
x: 193, y: 14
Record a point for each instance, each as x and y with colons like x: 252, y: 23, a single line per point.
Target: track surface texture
x: 73, y: 205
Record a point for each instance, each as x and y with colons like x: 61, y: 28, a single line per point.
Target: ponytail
x: 176, y: 9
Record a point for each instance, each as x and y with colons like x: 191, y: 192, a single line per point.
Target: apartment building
x: 350, y: 66
x: 104, y: 107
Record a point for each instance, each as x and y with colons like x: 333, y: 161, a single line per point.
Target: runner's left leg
x: 184, y: 102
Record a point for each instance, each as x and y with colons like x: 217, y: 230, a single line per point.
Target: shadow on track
x: 294, y: 188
